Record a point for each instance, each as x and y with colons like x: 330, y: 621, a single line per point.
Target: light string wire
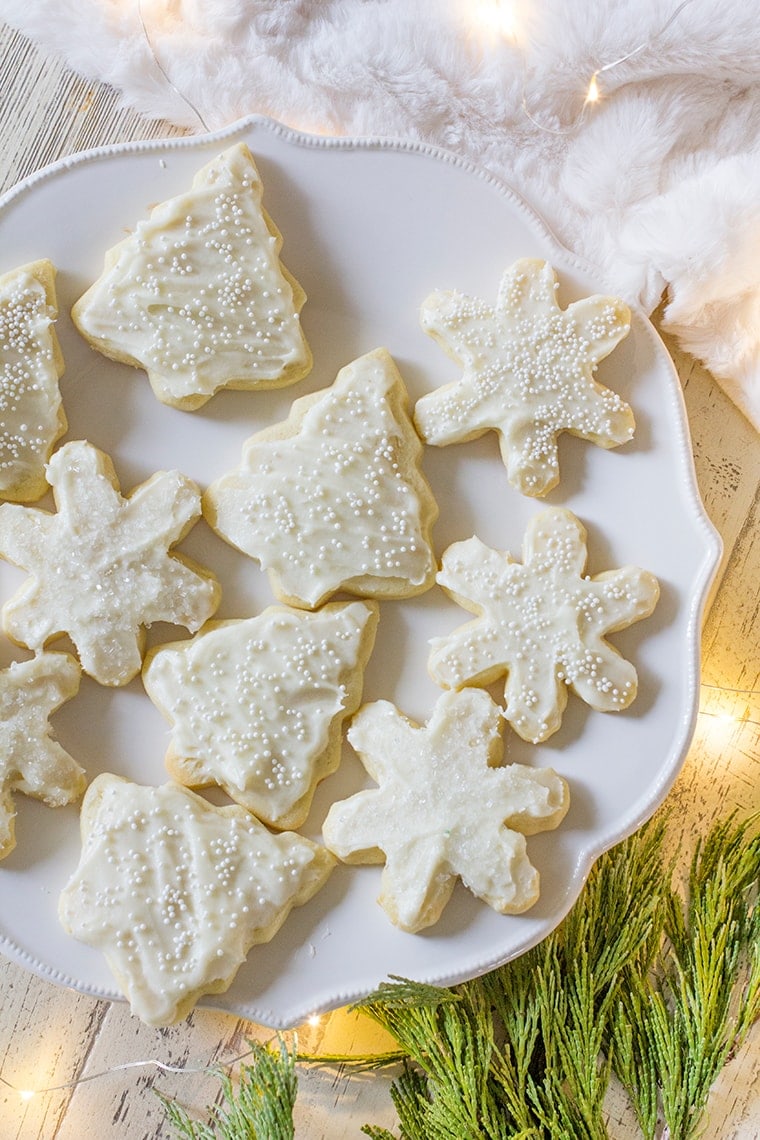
x: 592, y: 91
x: 729, y: 717
x: 164, y: 73
x: 148, y: 1062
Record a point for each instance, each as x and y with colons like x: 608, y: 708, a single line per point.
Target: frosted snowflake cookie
x: 445, y: 808
x: 31, y: 761
x: 175, y: 891
x: 31, y: 412
x: 258, y: 705
x: 100, y: 568
x: 527, y: 372
x: 334, y: 498
x: 542, y: 623
x: 197, y: 295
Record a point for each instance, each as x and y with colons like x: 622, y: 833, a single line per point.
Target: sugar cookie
x: 334, y: 498
x: 258, y: 705
x: 527, y: 372
x: 542, y: 623
x: 197, y: 295
x: 175, y: 891
x: 445, y: 808
x: 100, y: 567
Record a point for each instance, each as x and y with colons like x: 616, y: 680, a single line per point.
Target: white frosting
x: 258, y: 705
x: 527, y: 372
x: 175, y: 891
x: 31, y: 413
x: 542, y: 623
x: 197, y: 295
x: 334, y: 499
x: 444, y: 808
x: 31, y: 761
x: 100, y: 568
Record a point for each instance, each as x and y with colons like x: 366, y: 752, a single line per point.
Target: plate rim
x: 704, y: 580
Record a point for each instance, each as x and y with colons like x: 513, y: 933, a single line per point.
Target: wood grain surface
x: 56, y: 1039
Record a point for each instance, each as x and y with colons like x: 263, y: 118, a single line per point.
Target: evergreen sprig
x: 540, y: 1021
x: 261, y: 1108
x: 676, y: 1026
x: 657, y: 984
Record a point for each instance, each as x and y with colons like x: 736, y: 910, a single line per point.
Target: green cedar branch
x: 656, y: 983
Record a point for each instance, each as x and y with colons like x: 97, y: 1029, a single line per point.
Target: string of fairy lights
x: 495, y: 18
x: 26, y: 1094
x: 201, y: 1069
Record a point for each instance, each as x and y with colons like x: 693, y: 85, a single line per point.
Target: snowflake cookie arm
x: 463, y: 327
x: 444, y: 808
x: 164, y: 509
x: 472, y: 654
x: 31, y: 760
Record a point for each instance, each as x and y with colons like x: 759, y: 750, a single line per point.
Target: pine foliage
x: 657, y: 986
x: 260, y: 1108
x: 654, y: 982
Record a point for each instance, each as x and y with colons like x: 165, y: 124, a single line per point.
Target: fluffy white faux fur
x: 658, y: 184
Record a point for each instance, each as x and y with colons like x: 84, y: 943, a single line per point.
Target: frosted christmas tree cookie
x: 542, y: 623
x: 31, y: 761
x: 445, y: 808
x: 175, y: 891
x: 31, y: 412
x: 527, y: 372
x: 258, y: 705
x: 334, y: 498
x: 197, y: 295
x: 100, y: 568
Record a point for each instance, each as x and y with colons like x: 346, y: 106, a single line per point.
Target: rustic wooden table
x: 51, y: 1037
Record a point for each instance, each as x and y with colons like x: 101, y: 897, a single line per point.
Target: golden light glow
x: 593, y: 95
x: 314, y: 1020
x: 496, y: 18
x: 26, y: 1094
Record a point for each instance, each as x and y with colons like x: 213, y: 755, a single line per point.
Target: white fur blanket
x: 658, y: 182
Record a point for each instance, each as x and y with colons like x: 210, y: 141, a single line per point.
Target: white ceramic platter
x: 369, y: 228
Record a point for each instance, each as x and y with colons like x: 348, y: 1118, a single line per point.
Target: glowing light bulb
x: 26, y: 1094
x: 497, y: 18
x: 593, y: 94
x: 314, y: 1020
